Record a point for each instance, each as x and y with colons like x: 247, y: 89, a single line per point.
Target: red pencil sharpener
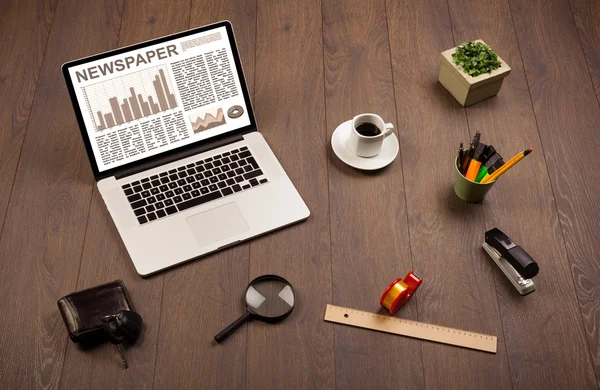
x: 399, y: 292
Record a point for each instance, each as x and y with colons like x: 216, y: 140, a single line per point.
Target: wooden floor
x: 311, y: 65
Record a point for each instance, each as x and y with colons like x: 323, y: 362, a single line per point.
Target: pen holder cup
x: 468, y: 190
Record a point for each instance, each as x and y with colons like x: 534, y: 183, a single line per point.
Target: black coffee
x: 368, y: 130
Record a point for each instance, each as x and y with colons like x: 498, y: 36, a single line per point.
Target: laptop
x: 175, y: 150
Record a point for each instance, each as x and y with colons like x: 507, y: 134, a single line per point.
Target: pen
x: 506, y: 166
x: 460, y: 157
x: 469, y: 156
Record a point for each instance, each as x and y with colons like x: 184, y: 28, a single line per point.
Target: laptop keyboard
x: 191, y: 185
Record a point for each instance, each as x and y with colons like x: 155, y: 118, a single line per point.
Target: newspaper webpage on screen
x: 151, y: 100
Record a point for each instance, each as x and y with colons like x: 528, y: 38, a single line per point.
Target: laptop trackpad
x: 217, y: 224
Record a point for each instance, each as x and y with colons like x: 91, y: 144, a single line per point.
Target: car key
x: 114, y: 335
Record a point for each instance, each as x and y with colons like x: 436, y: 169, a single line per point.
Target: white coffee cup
x: 368, y: 145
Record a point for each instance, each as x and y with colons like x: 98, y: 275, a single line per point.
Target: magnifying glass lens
x: 270, y: 298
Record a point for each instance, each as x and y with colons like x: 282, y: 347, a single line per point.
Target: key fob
x: 112, y: 331
x: 130, y: 323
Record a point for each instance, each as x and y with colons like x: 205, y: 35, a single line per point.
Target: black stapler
x: 516, y: 264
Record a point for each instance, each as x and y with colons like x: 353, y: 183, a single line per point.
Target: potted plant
x: 472, y: 72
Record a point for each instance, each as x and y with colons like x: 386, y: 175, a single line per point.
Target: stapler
x: 516, y: 264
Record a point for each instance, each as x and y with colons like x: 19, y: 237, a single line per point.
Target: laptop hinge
x: 179, y: 156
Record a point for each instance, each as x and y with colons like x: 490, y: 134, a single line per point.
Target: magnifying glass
x: 269, y: 298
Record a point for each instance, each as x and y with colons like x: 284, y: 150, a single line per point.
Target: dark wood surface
x: 310, y: 66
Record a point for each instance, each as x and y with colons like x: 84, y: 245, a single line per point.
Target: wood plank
x: 445, y: 233
x: 567, y: 114
x: 587, y: 19
x: 45, y: 224
x: 27, y: 23
x: 202, y: 297
x: 529, y: 217
x: 105, y: 257
x: 369, y: 235
x: 290, y: 109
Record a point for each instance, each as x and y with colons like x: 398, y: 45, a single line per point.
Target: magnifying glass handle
x: 232, y: 327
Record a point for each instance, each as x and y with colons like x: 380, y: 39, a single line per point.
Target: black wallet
x: 84, y: 310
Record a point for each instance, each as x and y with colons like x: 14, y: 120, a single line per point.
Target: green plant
x: 476, y: 58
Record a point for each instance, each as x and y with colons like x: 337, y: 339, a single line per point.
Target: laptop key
x: 235, y: 150
x: 263, y: 181
x: 217, y: 163
x: 234, y: 157
x: 214, y: 179
x: 155, y: 191
x: 226, y: 154
x: 196, y: 185
x: 174, y: 177
x: 222, y: 176
x: 199, y: 168
x: 170, y: 194
x: 216, y: 171
x: 253, y: 174
x: 239, y: 179
x: 134, y: 198
x: 195, y: 193
x: 160, y: 197
x: 191, y: 171
x: 145, y: 180
x: 187, y: 196
x: 155, y: 183
x: 225, y: 160
x: 212, y: 187
x: 245, y: 154
x: 199, y: 176
x: 146, y: 194
x: 147, y: 186
x: 150, y: 208
x: 252, y: 162
x: 126, y: 185
x: 248, y: 168
x: 178, y: 191
x: 142, y: 220
x: 172, y: 185
x: 225, y: 168
x: 246, y: 186
x: 231, y: 174
x: 163, y: 174
x: 159, y: 205
x: 208, y: 159
x: 187, y: 188
x: 160, y: 213
x: 190, y: 179
x: 181, y: 168
x: 138, y: 204
x: 139, y: 212
x: 138, y: 189
x: 226, y: 191
x: 204, y: 190
x: 208, y: 174
x: 164, y: 180
x: 173, y: 171
x: 222, y: 184
x: 151, y: 216
x: 151, y: 199
x: 128, y: 191
x: 169, y: 202
x: 171, y: 210
x: 253, y: 182
x: 230, y: 182
x: 182, y: 174
x: 199, y: 200
x: 190, y: 165
x: 177, y: 199
x: 243, y: 148
x: 164, y: 188
x: 204, y: 182
x: 208, y: 166
x: 233, y: 165
x: 181, y: 182
x: 236, y: 187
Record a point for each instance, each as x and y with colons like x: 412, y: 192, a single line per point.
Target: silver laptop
x: 175, y: 150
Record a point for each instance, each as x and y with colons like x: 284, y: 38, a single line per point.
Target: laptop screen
x: 158, y: 96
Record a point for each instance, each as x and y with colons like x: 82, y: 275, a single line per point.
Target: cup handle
x: 388, y: 130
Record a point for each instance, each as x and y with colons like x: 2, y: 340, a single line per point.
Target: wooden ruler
x: 419, y: 330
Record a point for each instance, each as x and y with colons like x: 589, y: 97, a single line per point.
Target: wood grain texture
x: 445, y: 233
x: 521, y: 204
x: 43, y: 239
x: 587, y: 19
x: 369, y: 232
x: 105, y: 257
x: 290, y: 110
x: 202, y: 297
x: 567, y: 115
x: 24, y: 28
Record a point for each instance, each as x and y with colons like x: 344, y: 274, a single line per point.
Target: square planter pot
x: 467, y: 89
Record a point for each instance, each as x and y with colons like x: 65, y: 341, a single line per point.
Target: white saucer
x: 388, y: 153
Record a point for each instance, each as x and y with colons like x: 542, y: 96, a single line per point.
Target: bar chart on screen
x: 127, y: 98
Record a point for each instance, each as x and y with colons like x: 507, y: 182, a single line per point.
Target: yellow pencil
x: 506, y: 166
